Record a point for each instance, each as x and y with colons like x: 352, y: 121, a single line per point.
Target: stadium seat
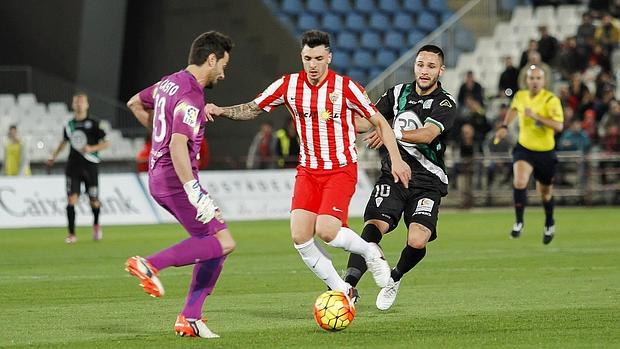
x: 520, y: 13
x: 292, y: 7
x: 341, y: 6
x: 365, y: 6
x: 285, y: 20
x: 358, y: 75
x: 394, y: 40
x: 427, y: 21
x: 340, y: 60
x: 363, y: 59
x: 507, y: 5
x: 379, y: 22
x: 346, y: 41
x: 7, y: 101
x: 465, y: 40
x: 404, y: 22
x: 389, y: 6
x: 436, y: 6
x: 413, y: 6
x: 272, y: 5
x: 385, y: 58
x: 370, y: 40
x: 374, y: 72
x: 332, y: 23
x: 414, y: 37
x: 307, y: 21
x: 568, y: 12
x: 355, y: 22
x: 57, y: 108
x: 318, y: 7
x: 26, y: 100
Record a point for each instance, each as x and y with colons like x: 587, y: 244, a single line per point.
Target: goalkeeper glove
x: 203, y: 203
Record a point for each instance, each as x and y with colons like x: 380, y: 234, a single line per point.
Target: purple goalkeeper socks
x: 203, y: 281
x: 190, y: 251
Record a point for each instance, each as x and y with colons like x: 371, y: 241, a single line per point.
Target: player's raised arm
x: 400, y: 170
x: 246, y: 111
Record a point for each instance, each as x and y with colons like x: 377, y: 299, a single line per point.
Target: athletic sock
x: 96, y: 215
x: 320, y: 265
x: 204, y: 277
x: 356, y: 267
x: 548, y: 205
x: 409, y: 257
x: 71, y: 219
x: 520, y: 199
x: 349, y: 241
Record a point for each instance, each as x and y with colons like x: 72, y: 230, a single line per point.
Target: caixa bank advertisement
x: 40, y: 201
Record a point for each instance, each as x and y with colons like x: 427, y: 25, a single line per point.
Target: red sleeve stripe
x: 273, y: 95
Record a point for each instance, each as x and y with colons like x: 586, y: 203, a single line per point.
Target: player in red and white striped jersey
x: 323, y: 105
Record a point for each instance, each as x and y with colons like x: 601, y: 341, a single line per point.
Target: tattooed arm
x: 247, y: 111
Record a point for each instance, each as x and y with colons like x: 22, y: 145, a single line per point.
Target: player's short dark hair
x: 13, y: 127
x: 80, y: 93
x: 314, y: 38
x: 208, y: 43
x: 432, y: 49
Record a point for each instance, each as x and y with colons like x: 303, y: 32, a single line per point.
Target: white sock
x: 349, y: 241
x: 321, y: 265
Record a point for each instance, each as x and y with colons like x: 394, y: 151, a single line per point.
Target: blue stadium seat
x: 332, y: 23
x: 363, y: 59
x: 437, y: 6
x: 404, y: 22
x: 414, y: 37
x: 358, y: 75
x: 346, y: 40
x: 273, y: 5
x: 365, y: 6
x: 427, y: 21
x: 379, y: 21
x: 355, y: 22
x: 286, y: 21
x: 394, y: 39
x: 374, y: 72
x: 385, y: 58
x: 389, y: 6
x: 307, y: 21
x: 341, y: 6
x: 413, y: 6
x: 446, y: 15
x: 340, y: 60
x: 507, y: 5
x: 371, y: 40
x: 317, y: 6
x: 292, y: 7
x: 465, y: 40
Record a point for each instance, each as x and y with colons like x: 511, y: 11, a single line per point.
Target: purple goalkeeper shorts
x: 180, y: 207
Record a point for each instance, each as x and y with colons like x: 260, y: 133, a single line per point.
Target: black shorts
x: 86, y: 173
x: 543, y: 162
x: 389, y: 201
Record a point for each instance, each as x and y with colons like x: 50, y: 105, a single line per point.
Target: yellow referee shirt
x: 532, y: 134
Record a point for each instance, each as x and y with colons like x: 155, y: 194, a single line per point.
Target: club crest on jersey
x: 425, y: 207
x: 334, y: 96
x: 325, y: 115
x: 190, y: 117
x: 378, y: 201
x: 427, y: 104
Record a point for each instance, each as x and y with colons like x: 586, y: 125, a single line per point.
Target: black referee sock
x: 548, y: 205
x: 71, y: 218
x: 356, y: 267
x: 520, y: 197
x: 409, y: 257
x: 96, y: 214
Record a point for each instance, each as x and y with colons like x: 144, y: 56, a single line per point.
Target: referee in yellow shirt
x: 540, y: 116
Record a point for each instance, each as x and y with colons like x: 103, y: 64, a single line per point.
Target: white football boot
x: 378, y: 266
x: 387, y: 295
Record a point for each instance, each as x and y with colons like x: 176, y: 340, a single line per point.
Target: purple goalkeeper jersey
x: 177, y: 102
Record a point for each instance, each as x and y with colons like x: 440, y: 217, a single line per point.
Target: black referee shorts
x: 543, y: 162
x: 83, y: 173
x: 389, y: 201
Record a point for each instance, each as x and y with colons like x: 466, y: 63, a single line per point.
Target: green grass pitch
x: 476, y: 288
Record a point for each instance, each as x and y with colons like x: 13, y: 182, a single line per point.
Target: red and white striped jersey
x: 323, y: 114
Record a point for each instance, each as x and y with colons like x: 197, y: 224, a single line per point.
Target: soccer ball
x: 333, y: 311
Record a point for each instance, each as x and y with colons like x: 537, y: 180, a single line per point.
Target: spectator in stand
x: 287, y: 145
x: 531, y: 47
x: 604, y: 82
x: 534, y: 60
x: 576, y: 91
x: 470, y: 88
x: 261, y: 154
x: 142, y: 158
x: 588, y: 124
x: 572, y: 58
x: 204, y: 156
x: 547, y: 45
x: 600, y: 56
x: 574, y: 138
x: 16, y: 162
x: 586, y: 30
x: 465, y: 168
x: 493, y: 149
x: 475, y: 115
x: 611, y: 118
x: 608, y: 33
x: 509, y: 79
